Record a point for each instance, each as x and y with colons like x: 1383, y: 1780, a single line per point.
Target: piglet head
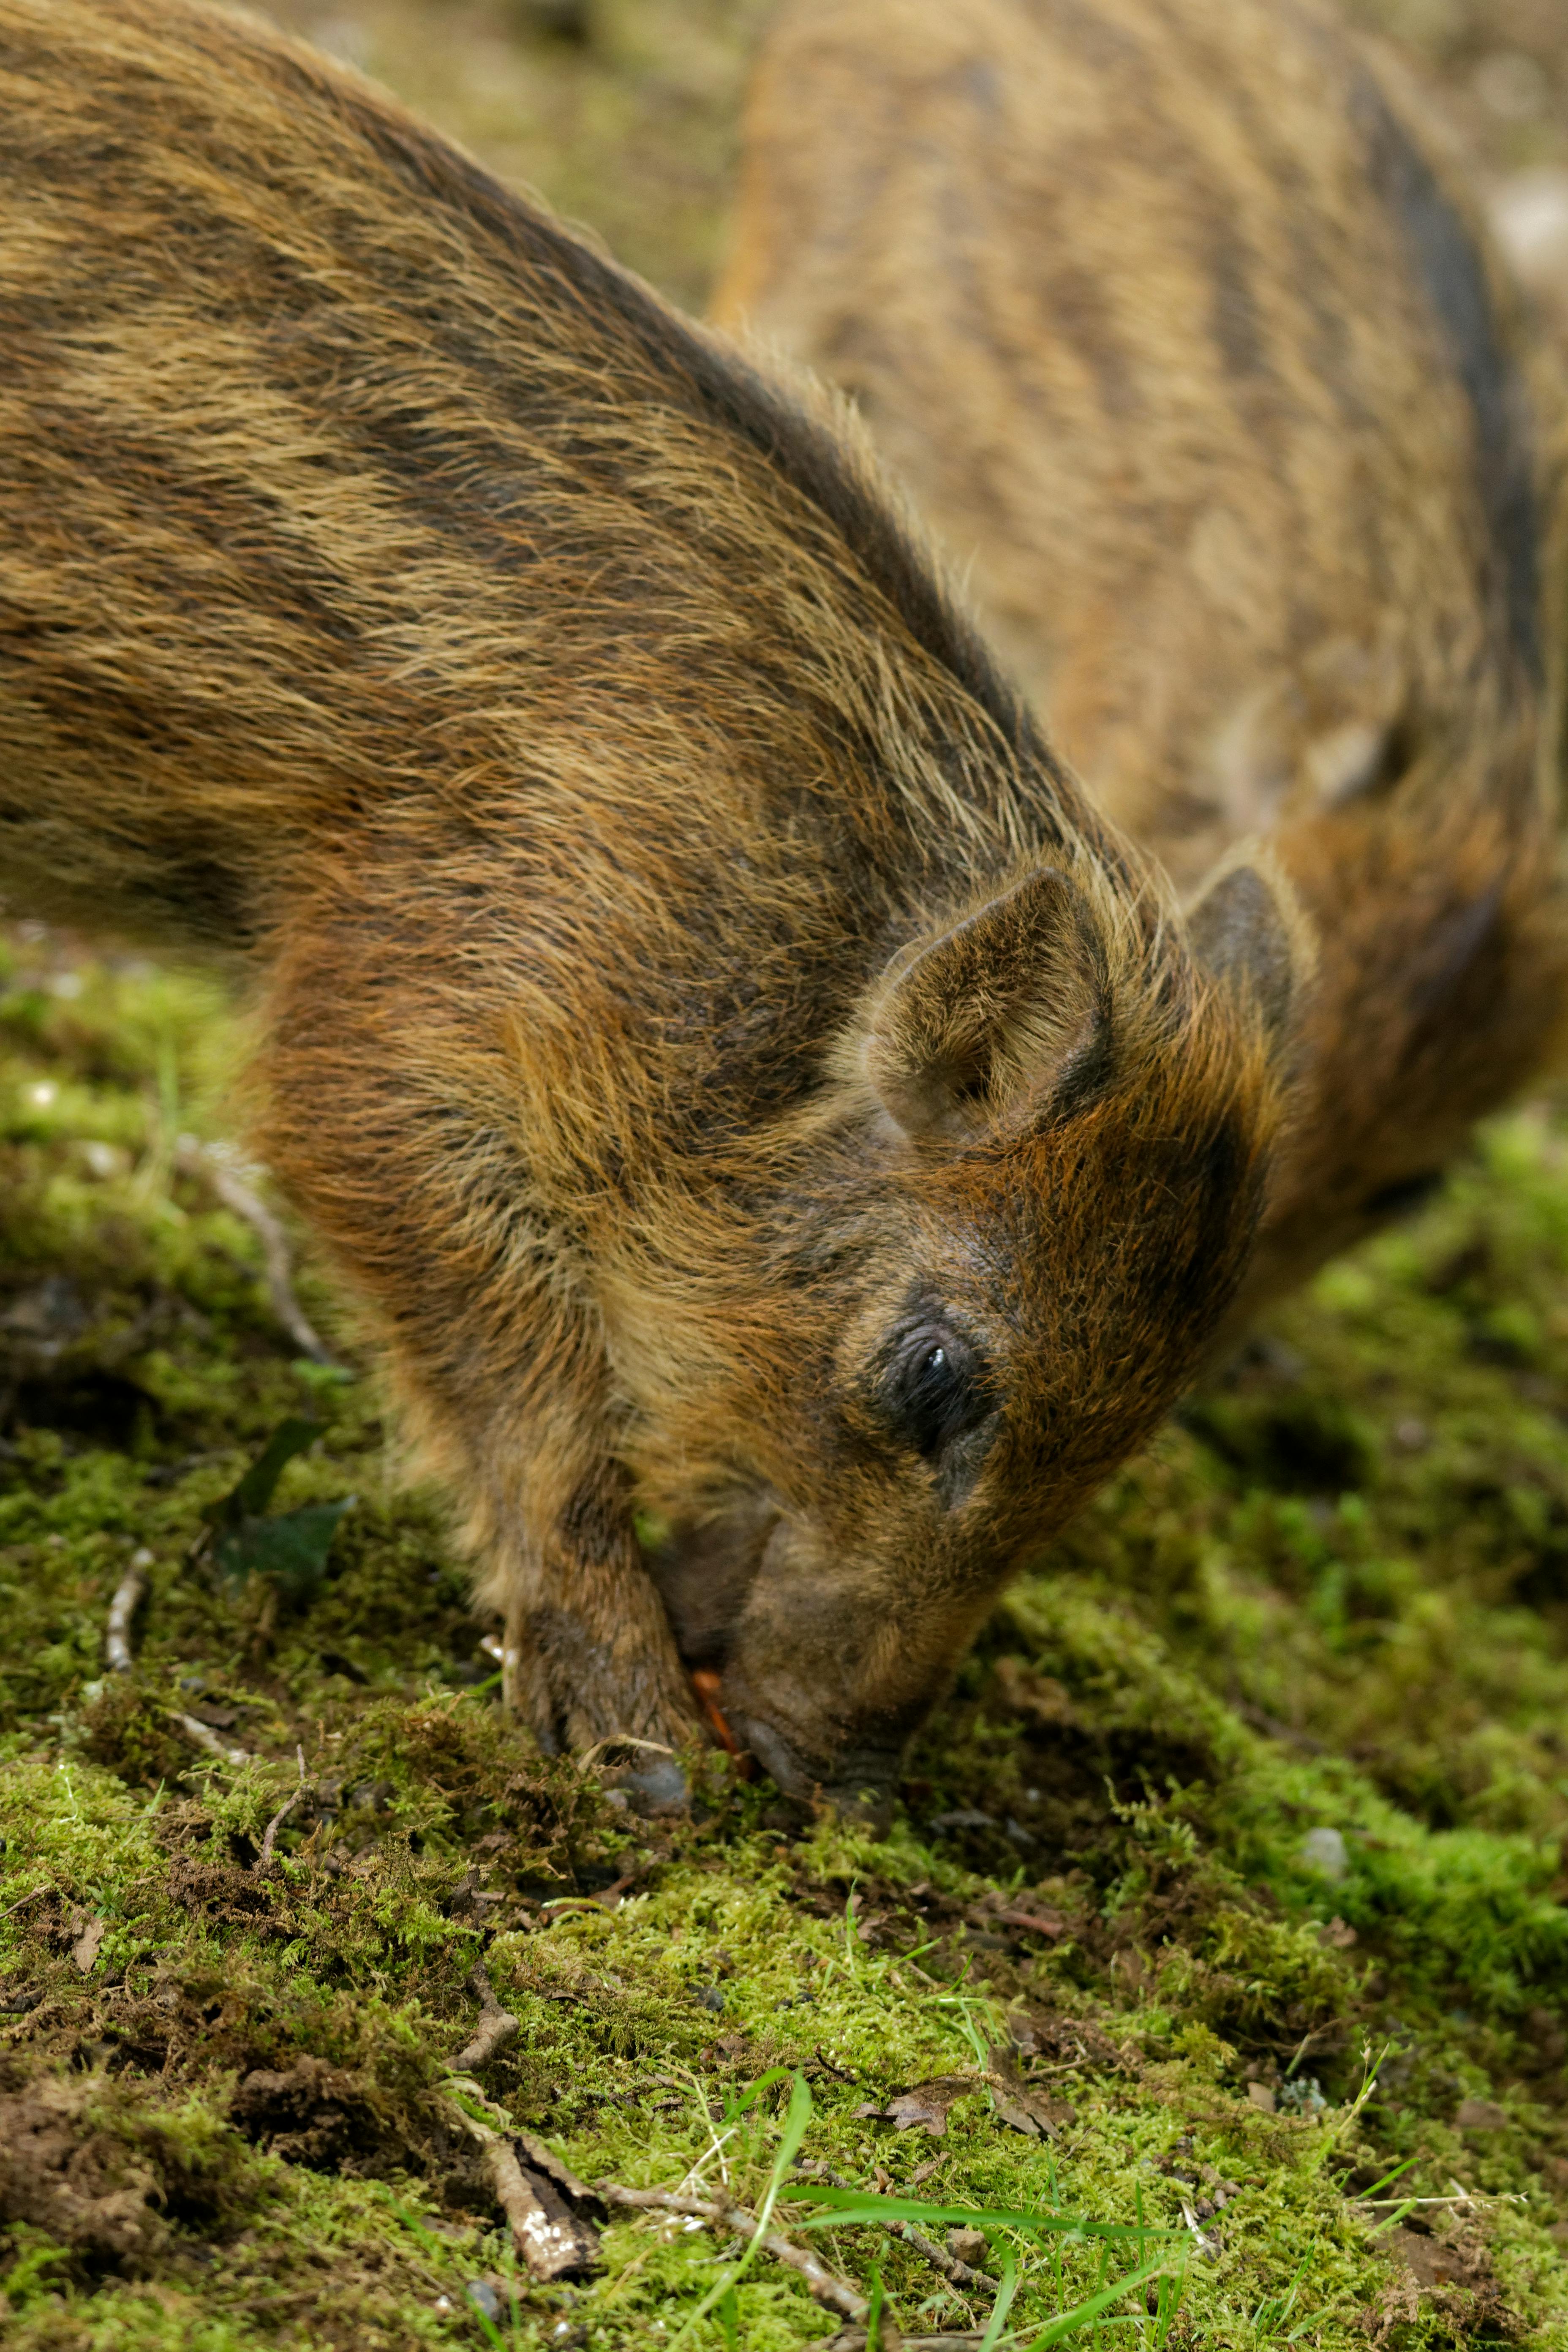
x: 1009, y: 1229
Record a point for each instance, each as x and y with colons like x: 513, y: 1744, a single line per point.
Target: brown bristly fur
x: 744, y: 1078
x: 1174, y: 317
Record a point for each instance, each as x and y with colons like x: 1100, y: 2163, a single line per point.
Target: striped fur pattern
x: 1174, y: 317
x: 750, y: 1087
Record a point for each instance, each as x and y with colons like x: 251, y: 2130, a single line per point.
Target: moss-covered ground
x: 1229, y: 1885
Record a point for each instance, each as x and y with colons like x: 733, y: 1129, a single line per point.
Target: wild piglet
x: 746, y: 1080
x: 1176, y: 317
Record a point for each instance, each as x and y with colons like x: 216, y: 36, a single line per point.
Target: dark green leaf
x: 290, y: 1548
x: 254, y: 1492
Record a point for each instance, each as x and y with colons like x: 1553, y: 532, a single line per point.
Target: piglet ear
x: 1247, y: 930
x: 1001, y: 1010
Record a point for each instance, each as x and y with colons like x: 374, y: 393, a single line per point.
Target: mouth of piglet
x: 858, y: 1780
x: 705, y: 1576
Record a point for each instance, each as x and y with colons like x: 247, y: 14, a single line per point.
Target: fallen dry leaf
x: 1019, y: 2105
x: 89, y: 1943
x: 925, y: 2107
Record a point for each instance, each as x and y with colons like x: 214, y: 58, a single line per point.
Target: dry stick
x: 854, y: 2339
x: 204, y: 1736
x: 548, y: 2236
x: 551, y: 2243
x: 121, y: 1608
x: 30, y: 1897
x: 117, y: 1644
x: 956, y: 2272
x: 718, y: 2212
x: 721, y: 2214
x: 236, y: 1194
x: 265, y: 1858
x: 497, y: 2027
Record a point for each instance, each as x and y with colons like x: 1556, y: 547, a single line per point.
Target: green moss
x: 1332, y: 1597
x: 1328, y: 1599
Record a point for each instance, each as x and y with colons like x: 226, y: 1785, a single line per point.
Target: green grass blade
x: 1390, y: 2220
x: 849, y: 2207
x: 797, y: 2120
x: 1004, y: 2303
x: 1364, y: 2196
x: 1085, y: 2314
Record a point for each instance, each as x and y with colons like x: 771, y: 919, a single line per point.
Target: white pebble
x: 1325, y: 1850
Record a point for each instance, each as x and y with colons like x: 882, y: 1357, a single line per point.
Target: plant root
x: 265, y: 1859
x: 554, y: 2242
x: 719, y: 2214
x: 204, y: 1736
x: 121, y: 1608
x: 497, y: 2027
x: 194, y: 1159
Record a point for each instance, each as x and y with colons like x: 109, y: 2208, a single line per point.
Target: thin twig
x: 269, y: 1835
x: 855, y: 2339
x: 957, y: 2273
x: 497, y: 2027
x: 23, y: 1899
x: 121, y: 1608
x: 194, y: 1159
x: 946, y: 2263
x: 719, y: 2214
x: 204, y: 1736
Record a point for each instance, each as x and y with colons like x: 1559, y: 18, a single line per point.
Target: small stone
x: 483, y: 2297
x: 1324, y: 1850
x: 967, y: 2246
x: 710, y: 1997
x: 1261, y: 2096
x: 657, y: 1790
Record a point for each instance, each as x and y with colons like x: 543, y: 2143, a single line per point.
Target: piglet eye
x: 937, y: 1389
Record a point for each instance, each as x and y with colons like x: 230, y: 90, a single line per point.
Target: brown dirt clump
x: 60, y: 2171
